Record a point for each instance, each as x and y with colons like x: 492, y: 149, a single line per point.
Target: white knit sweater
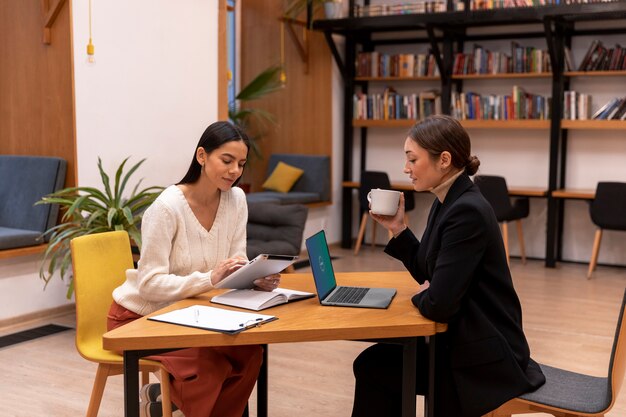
x: 178, y: 254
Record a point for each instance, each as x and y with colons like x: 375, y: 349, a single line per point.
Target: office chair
x: 100, y: 262
x: 572, y: 394
x: 608, y: 212
x: 496, y: 192
x: 370, y: 180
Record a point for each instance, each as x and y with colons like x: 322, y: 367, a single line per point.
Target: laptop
x: 327, y: 290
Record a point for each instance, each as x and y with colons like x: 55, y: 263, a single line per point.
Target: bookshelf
x: 447, y: 33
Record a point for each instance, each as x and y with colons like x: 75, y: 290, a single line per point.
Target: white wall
x: 150, y: 94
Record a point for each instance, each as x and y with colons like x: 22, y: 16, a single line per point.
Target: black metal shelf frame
x: 443, y: 31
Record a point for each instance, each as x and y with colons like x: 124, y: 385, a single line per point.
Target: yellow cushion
x: 282, y: 178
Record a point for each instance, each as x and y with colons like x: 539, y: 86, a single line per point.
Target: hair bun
x: 472, y: 165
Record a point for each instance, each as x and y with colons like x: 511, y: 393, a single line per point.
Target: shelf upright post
x: 348, y: 72
x: 555, y: 41
x: 560, y: 203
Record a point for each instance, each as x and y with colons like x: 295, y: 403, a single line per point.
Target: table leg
x: 409, y: 353
x: 261, y: 387
x: 131, y: 383
x: 429, y: 399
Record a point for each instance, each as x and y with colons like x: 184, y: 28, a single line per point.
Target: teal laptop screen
x: 319, y: 257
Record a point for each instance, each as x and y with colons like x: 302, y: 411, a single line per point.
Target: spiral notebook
x: 215, y: 319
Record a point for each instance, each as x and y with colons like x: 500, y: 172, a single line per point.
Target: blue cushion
x: 17, y: 238
x: 25, y: 180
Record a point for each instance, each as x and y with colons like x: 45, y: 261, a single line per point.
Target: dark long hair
x: 441, y: 133
x: 214, y: 136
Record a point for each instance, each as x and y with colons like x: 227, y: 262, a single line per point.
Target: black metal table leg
x: 409, y: 353
x: 131, y: 383
x: 261, y: 388
x: 429, y: 399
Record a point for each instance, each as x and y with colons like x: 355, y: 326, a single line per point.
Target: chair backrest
x: 100, y: 262
x: 608, y: 208
x: 275, y: 228
x: 496, y: 192
x: 617, y: 365
x: 369, y: 180
x: 25, y: 180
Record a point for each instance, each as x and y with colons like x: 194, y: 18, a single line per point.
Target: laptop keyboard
x: 350, y: 295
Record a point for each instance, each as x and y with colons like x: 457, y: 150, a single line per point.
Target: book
x: 212, y: 318
x: 259, y: 300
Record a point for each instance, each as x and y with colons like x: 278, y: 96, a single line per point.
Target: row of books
x: 393, y: 106
x: 615, y: 109
x: 520, y: 105
x: 576, y: 106
x: 376, y: 64
x: 505, y: 4
x: 420, y: 6
x: 600, y: 58
x: 521, y: 60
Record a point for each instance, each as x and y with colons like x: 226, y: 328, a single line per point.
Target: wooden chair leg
x: 594, y: 253
x: 520, y: 236
x: 505, y: 238
x: 145, y: 377
x: 374, y: 224
x: 98, y: 389
x: 166, y: 399
x: 359, y: 239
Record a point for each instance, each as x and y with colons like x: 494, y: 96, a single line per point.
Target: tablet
x: 261, y: 266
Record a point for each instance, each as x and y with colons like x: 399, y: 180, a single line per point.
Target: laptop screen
x: 322, y: 268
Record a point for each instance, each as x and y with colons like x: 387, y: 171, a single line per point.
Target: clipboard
x: 214, y: 319
x: 259, y: 267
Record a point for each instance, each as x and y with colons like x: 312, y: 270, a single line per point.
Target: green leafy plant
x: 267, y: 82
x: 89, y: 210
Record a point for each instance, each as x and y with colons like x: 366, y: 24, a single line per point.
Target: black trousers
x: 378, y: 373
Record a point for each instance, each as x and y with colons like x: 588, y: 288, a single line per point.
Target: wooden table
x: 301, y: 321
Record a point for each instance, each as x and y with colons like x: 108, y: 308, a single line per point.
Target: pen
x: 251, y: 323
x: 196, y: 314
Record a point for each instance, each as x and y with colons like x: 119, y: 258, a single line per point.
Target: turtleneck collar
x: 442, y: 189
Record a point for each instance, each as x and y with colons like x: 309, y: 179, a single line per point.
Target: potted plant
x: 252, y: 120
x: 89, y: 210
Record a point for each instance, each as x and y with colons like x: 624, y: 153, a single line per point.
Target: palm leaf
x: 265, y: 83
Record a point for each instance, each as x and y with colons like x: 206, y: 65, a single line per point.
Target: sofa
x: 24, y: 181
x: 275, y: 229
x: 312, y: 187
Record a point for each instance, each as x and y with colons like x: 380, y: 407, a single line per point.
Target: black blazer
x: 483, y: 360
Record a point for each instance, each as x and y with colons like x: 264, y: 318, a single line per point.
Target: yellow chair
x: 99, y: 262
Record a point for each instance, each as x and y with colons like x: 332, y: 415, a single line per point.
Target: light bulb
x: 91, y: 59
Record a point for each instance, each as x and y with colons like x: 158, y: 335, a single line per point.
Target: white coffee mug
x: 383, y: 202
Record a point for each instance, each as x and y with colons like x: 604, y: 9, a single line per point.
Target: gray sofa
x: 312, y: 187
x: 275, y: 229
x: 24, y: 180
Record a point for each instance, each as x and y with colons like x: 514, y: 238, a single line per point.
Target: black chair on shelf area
x: 496, y: 192
x: 369, y: 181
x: 608, y: 212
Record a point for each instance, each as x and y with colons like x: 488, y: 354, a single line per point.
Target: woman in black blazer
x: 483, y: 360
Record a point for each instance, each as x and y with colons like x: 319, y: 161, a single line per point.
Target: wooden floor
x: 569, y: 321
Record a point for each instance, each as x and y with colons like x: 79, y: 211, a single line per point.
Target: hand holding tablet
x: 259, y: 267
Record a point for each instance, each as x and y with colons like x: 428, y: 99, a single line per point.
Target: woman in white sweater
x: 193, y: 236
